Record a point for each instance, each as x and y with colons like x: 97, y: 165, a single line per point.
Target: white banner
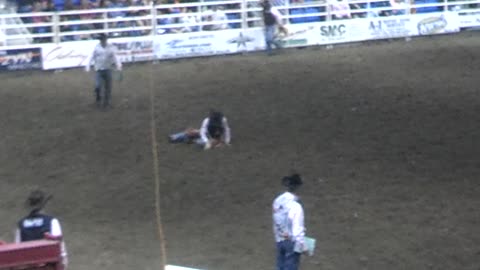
x: 66, y: 55
x: 300, y: 35
x: 469, y: 19
x: 412, y: 25
x: 134, y: 49
x: 435, y: 23
x: 341, y: 31
x: 389, y: 27
x: 208, y: 43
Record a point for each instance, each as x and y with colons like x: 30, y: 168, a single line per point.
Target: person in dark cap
x: 103, y: 58
x: 288, y: 225
x: 37, y: 225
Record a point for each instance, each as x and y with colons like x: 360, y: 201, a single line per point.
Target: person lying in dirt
x: 214, y: 132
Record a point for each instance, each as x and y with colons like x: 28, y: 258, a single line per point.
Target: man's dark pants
x: 287, y: 258
x: 103, y: 79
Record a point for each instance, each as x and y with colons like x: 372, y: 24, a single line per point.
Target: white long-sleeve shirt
x: 204, y: 130
x: 288, y: 219
x: 104, y: 58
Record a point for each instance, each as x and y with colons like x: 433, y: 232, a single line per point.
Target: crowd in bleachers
x: 221, y: 16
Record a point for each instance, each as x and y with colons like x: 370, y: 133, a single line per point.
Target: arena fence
x: 55, y: 40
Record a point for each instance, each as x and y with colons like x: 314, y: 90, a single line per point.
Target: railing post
x: 329, y: 10
x: 153, y: 12
x: 56, y: 28
x: 287, y: 12
x: 3, y: 25
x: 244, y: 15
x: 105, y: 24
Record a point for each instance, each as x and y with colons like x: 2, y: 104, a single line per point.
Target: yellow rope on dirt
x: 156, y: 174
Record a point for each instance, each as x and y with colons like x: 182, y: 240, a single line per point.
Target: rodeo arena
x: 240, y: 134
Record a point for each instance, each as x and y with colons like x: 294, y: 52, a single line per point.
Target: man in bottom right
x: 288, y: 225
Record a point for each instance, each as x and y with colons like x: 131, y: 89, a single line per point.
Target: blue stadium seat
x: 297, y: 11
x: 234, y: 16
x: 312, y: 18
x: 427, y: 9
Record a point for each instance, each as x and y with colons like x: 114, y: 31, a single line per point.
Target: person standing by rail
x: 103, y: 57
x: 271, y: 19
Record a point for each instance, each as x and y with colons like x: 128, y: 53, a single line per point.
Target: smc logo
x: 332, y: 30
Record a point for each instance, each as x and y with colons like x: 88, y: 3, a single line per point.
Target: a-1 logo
x: 332, y: 30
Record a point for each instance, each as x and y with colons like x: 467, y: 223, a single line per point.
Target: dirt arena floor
x: 385, y: 134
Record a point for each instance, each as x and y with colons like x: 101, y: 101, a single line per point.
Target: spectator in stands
x: 68, y: 5
x: 87, y: 5
x: 117, y: 15
x: 38, y: 7
x: 24, y: 6
x: 137, y: 13
x: 189, y: 20
x: 354, y: 7
x: 233, y: 14
x: 220, y: 17
x: 399, y: 7
x: 37, y: 225
x: 340, y: 9
x: 378, y: 9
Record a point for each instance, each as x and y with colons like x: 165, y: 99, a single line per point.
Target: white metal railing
x: 48, y: 27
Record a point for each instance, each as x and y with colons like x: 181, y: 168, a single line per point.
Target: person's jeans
x: 287, y: 258
x: 103, y: 79
x: 270, y: 38
x: 184, y: 137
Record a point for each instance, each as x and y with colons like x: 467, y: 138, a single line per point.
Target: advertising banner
x: 389, y: 27
x: 341, y: 31
x: 208, y: 43
x: 412, y: 25
x: 21, y: 59
x: 435, y: 23
x: 135, y: 49
x: 467, y: 20
x: 300, y: 35
x: 67, y: 54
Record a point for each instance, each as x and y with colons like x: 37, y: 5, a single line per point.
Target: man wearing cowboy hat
x: 103, y: 57
x: 37, y: 225
x: 288, y: 225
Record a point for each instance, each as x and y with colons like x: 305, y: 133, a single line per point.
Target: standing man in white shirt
x: 37, y: 225
x: 103, y: 57
x: 288, y: 225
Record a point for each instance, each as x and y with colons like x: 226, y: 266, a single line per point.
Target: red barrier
x: 41, y: 254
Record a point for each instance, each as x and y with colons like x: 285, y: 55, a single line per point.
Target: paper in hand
x: 310, y: 245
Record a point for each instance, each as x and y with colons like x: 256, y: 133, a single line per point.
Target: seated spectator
x: 354, y: 6
x: 114, y: 4
x: 217, y: 16
x: 399, y: 7
x: 38, y: 7
x: 25, y: 6
x: 189, y: 20
x: 87, y: 5
x: 340, y: 9
x: 164, y: 21
x: 233, y: 15
x: 213, y: 133
x: 378, y: 9
x: 137, y: 13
